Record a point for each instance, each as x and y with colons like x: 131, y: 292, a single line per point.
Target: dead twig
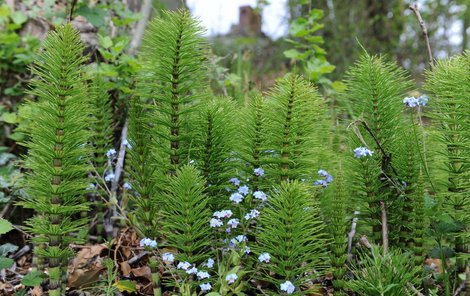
x: 136, y: 259
x: 351, y: 235
x: 424, y: 30
x: 384, y: 227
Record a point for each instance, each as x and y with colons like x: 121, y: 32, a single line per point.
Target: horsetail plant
x: 252, y: 150
x: 145, y: 216
x: 448, y: 85
x: 213, y: 146
x: 142, y: 172
x: 378, y: 274
x: 57, y: 159
x: 186, y: 222
x: 101, y: 128
x: 408, y: 164
x: 290, y: 231
x: 419, y: 221
x: 174, y: 77
x: 186, y: 218
x: 376, y: 89
x: 293, y: 124
x: 334, y: 209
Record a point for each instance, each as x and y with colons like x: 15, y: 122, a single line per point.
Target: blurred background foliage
x: 324, y: 38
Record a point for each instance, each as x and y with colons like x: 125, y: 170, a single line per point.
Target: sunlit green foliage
x: 173, y: 78
x: 58, y: 152
x: 290, y: 230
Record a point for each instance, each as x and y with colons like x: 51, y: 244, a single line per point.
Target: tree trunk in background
x: 384, y: 19
x: 173, y: 4
x: 466, y: 24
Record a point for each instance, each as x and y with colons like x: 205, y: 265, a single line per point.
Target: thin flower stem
x: 422, y: 154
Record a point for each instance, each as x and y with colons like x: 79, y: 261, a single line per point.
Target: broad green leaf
x: 4, y: 11
x: 18, y: 17
x: 338, y: 86
x: 106, y: 54
x: 299, y: 27
x: 105, y: 42
x: 6, y: 262
x: 315, y: 28
x: 94, y: 15
x: 17, y: 137
x: 5, y: 226
x: 119, y: 46
x: 9, y: 117
x: 213, y: 294
x: 295, y: 54
x: 33, y: 279
x: 126, y: 286
x: 315, y: 14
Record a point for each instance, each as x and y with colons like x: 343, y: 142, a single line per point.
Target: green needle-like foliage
x: 57, y: 157
x: 173, y: 76
x: 187, y: 216
x: 408, y: 164
x: 384, y: 275
x: 294, y: 122
x: 102, y: 140
x: 419, y: 221
x: 448, y: 85
x: 290, y: 229
x: 334, y: 209
x: 141, y: 169
x: 251, y: 149
x: 213, y: 145
x: 375, y: 92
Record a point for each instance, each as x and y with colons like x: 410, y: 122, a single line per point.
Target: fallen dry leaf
x: 143, y: 271
x: 125, y: 268
x: 86, y: 266
x: 37, y: 291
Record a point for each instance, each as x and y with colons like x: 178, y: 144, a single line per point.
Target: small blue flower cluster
x: 109, y: 176
x: 243, y: 190
x: 288, y: 287
x: 362, y: 152
x: 111, y: 153
x: 414, y: 102
x: 148, y: 243
x: 231, y: 278
x: 327, y: 179
x: 127, y: 186
x: 238, y: 243
x: 258, y: 172
x: 219, y: 215
x: 264, y: 257
x: 192, y: 269
x: 168, y: 257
